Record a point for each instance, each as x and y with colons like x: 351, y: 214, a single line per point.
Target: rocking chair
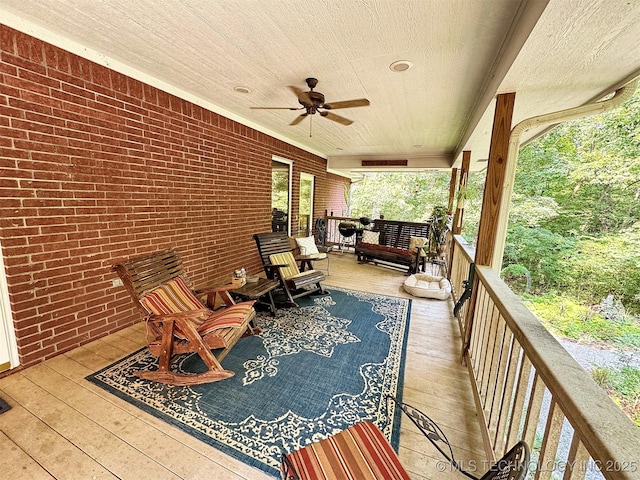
x: 178, y: 320
x: 279, y: 262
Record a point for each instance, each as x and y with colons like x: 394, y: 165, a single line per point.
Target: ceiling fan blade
x: 361, y: 102
x: 276, y: 108
x: 298, y: 119
x: 336, y: 118
x: 302, y: 95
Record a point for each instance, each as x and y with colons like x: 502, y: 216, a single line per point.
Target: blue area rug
x: 312, y: 372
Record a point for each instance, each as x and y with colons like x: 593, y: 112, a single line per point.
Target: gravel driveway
x: 589, y: 356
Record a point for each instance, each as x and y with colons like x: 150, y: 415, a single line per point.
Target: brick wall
x: 96, y: 167
x: 335, y: 195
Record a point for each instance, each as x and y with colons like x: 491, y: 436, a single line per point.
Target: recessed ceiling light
x: 400, y: 66
x: 242, y: 89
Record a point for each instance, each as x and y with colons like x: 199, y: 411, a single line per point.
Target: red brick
x: 101, y: 167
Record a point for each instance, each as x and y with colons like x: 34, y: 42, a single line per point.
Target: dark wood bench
x: 393, y: 244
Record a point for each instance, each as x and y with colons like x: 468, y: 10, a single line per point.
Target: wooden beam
x: 493, y: 187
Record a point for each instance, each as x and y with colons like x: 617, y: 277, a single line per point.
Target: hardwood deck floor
x: 63, y: 427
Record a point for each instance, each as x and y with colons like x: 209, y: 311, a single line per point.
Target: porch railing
x: 333, y: 234
x: 460, y: 263
x: 527, y: 386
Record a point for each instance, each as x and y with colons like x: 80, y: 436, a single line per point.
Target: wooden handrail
x: 527, y: 386
x: 604, y: 429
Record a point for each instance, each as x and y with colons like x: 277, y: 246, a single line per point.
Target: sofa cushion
x: 307, y: 245
x: 288, y: 266
x: 370, y: 237
x: 361, y: 451
x: 175, y: 296
x: 384, y: 248
x: 416, y: 242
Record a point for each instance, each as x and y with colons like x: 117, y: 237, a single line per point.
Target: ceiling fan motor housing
x: 316, y: 97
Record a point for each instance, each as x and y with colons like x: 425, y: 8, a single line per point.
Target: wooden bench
x: 393, y: 244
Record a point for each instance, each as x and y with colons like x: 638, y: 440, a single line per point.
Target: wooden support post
x: 452, y: 189
x: 493, y: 187
x: 492, y: 200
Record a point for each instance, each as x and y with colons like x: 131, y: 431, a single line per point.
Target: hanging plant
x: 439, y: 224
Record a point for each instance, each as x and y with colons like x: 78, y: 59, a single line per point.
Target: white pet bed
x: 428, y: 286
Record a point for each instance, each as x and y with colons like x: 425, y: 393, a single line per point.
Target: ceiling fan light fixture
x: 400, y: 66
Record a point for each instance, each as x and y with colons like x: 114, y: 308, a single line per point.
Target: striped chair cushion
x: 230, y: 317
x: 291, y: 267
x: 175, y: 296
x: 358, y: 453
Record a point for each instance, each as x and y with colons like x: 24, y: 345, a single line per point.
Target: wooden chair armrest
x: 199, y: 314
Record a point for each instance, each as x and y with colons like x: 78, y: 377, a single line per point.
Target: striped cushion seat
x: 361, y: 452
x: 175, y: 296
x: 230, y: 317
x: 288, y: 260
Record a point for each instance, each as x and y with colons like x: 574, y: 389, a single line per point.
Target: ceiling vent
x: 385, y: 163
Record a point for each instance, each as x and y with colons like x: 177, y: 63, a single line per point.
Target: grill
x: 347, y: 230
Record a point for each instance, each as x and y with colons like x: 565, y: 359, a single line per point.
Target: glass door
x: 305, y: 216
x: 281, y: 171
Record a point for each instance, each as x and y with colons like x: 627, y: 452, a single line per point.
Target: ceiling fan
x: 313, y: 102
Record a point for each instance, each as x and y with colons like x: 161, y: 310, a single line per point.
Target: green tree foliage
x: 541, y: 252
x: 575, y: 213
x: 473, y: 206
x: 407, y: 197
x: 605, y: 266
x: 280, y: 190
x: 576, y: 210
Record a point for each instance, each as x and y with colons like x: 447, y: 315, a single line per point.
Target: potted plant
x: 439, y: 226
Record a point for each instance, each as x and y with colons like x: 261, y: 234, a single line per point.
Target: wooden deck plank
x: 172, y: 438
x: 101, y: 432
x: 39, y: 451
x: 151, y: 441
x: 16, y: 463
x: 114, y: 454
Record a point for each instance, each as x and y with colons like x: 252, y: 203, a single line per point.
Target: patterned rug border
x: 194, y: 432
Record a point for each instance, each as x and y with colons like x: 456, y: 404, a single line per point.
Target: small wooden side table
x: 255, y: 290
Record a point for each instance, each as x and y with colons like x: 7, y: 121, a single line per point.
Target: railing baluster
x: 488, y: 350
x: 508, y: 398
x: 499, y: 388
x: 577, y: 460
x: 516, y: 426
x: 534, y: 406
x: 550, y: 441
x: 523, y: 378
